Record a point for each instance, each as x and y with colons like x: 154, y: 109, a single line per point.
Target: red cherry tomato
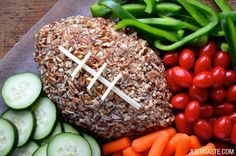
x: 230, y: 77
x: 198, y: 94
x: 222, y: 59
x: 232, y: 117
x: 233, y: 135
x: 170, y: 82
x: 182, y: 125
x: 222, y: 127
x: 186, y: 59
x: 203, y: 79
x: 171, y: 58
x: 180, y: 100
x: 209, y: 49
x: 192, y: 111
x: 224, y: 109
x: 203, y: 63
x: 203, y: 129
x: 231, y: 93
x: 182, y: 77
x: 218, y: 94
x: 206, y: 111
x: 219, y: 74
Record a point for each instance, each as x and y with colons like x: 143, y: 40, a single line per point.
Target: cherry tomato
x: 182, y: 77
x: 202, y: 129
x: 233, y: 135
x: 180, y: 100
x: 170, y: 82
x: 222, y: 127
x: 209, y: 49
x: 219, y: 74
x: 230, y: 77
x: 182, y: 125
x: 222, y: 59
x: 231, y: 93
x: 224, y: 109
x: 218, y: 94
x: 203, y: 63
x: 186, y: 59
x: 203, y: 79
x: 206, y: 111
x: 198, y: 94
x: 192, y: 111
x: 232, y: 117
x: 171, y: 58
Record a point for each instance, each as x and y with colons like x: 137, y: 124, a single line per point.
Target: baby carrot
x: 208, y: 151
x: 194, y: 142
x: 183, y: 145
x: 117, y: 154
x: 117, y: 145
x: 171, y: 146
x: 130, y: 152
x: 145, y: 142
x: 159, y: 144
x: 145, y: 153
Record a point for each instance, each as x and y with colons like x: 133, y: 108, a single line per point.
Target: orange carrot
x: 145, y: 142
x: 204, y: 151
x: 117, y: 145
x: 159, y: 144
x: 171, y: 146
x: 183, y: 145
x: 145, y: 153
x: 130, y: 152
x: 117, y: 154
x: 194, y: 142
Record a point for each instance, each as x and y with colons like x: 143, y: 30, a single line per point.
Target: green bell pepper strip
x: 149, y: 29
x: 225, y: 14
x: 199, y: 42
x: 169, y: 23
x: 136, y: 9
x: 99, y: 10
x: 194, y: 12
x: 230, y: 35
x: 150, y: 5
x: 194, y: 35
x: 223, y: 5
x: 117, y: 9
x: 167, y: 9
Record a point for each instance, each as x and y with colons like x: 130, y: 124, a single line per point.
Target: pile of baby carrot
x: 164, y: 142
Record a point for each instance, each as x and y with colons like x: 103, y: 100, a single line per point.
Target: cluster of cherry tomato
x: 204, y: 87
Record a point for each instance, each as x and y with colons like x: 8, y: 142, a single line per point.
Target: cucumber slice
x: 96, y: 150
x: 41, y: 151
x: 46, y: 115
x: 56, y: 131
x: 26, y: 150
x: 21, y: 90
x: 8, y: 136
x: 25, y: 123
x: 68, y: 128
x: 68, y: 144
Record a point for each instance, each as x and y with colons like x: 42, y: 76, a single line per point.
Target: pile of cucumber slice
x: 30, y: 126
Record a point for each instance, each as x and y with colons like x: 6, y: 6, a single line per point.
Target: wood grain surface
x: 17, y: 17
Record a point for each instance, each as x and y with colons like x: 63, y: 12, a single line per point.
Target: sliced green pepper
x: 195, y: 35
x: 194, y: 12
x: 223, y: 5
x: 169, y: 23
x: 99, y: 10
x: 225, y: 14
x: 167, y: 8
x: 149, y: 29
x: 230, y: 35
x: 150, y: 5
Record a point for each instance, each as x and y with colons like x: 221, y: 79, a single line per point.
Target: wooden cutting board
x: 20, y: 57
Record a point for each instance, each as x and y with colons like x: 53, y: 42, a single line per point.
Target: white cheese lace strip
x: 96, y: 76
x: 101, y: 79
x: 79, y: 67
x: 112, y: 84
